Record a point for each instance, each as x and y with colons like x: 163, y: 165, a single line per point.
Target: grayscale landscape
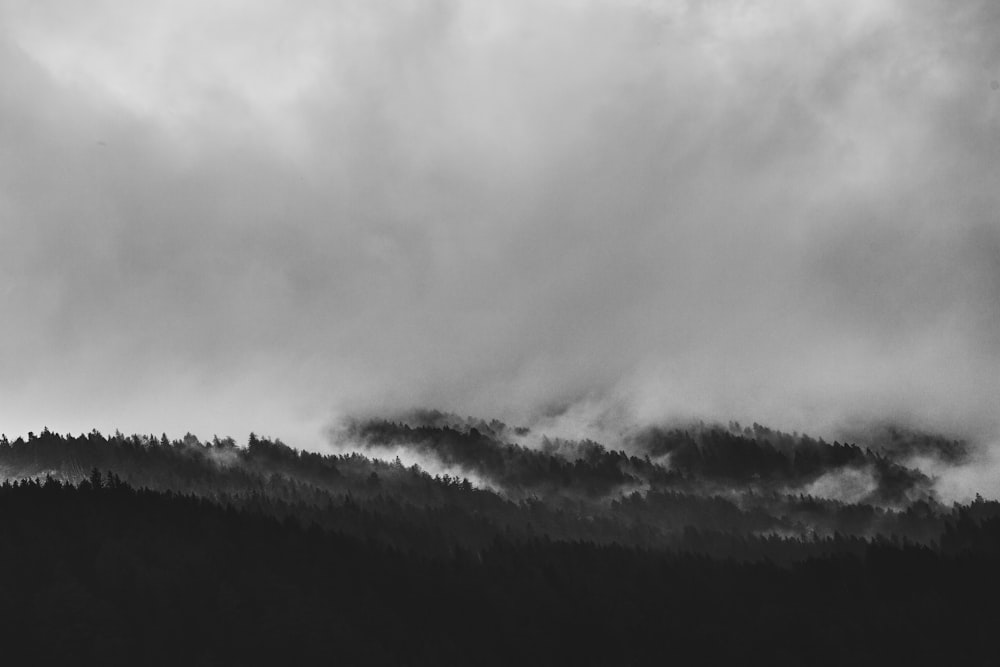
x: 610, y: 332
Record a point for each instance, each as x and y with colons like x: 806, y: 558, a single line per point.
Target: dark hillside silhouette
x: 100, y: 572
x: 566, y: 490
x: 146, y: 550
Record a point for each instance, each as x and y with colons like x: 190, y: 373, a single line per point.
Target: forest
x: 702, y: 544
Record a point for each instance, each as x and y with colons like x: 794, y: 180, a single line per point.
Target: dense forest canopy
x: 699, y: 543
x: 750, y: 481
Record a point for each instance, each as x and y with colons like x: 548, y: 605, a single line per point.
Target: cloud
x: 253, y: 216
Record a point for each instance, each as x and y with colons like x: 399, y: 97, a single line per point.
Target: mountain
x: 697, y: 544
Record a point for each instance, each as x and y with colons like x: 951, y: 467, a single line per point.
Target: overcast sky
x: 231, y: 216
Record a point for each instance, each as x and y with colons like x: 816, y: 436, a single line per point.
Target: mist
x: 265, y: 217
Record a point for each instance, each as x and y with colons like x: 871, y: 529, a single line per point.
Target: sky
x: 259, y: 215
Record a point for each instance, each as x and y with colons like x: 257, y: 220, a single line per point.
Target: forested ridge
x: 146, y: 550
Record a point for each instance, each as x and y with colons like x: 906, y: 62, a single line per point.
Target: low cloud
x: 223, y: 219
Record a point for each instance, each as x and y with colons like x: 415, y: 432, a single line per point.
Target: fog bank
x: 265, y: 216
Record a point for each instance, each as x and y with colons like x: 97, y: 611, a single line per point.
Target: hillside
x: 145, y: 550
